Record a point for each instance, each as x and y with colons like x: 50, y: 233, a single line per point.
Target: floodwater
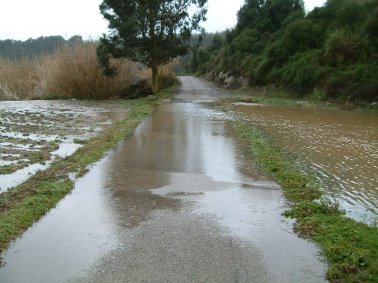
x: 340, y: 146
x: 175, y: 202
x: 35, y: 133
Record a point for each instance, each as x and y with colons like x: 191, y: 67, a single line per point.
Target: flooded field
x: 341, y: 146
x: 34, y: 133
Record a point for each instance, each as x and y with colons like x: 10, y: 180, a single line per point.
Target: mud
x: 34, y: 133
x: 341, y: 147
x: 175, y: 202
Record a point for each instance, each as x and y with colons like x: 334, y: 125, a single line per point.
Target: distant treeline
x: 331, y: 52
x: 34, y: 47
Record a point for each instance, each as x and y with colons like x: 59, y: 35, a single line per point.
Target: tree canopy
x: 35, y: 47
x: 151, y: 32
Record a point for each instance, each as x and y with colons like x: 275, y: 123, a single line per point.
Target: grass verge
x: 350, y: 247
x: 282, y: 97
x: 27, y: 203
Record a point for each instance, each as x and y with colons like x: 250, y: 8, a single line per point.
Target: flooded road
x: 340, y: 146
x: 175, y: 202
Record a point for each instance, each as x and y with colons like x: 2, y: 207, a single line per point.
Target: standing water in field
x: 35, y: 133
x: 341, y: 147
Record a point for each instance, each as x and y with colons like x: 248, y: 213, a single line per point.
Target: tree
x: 151, y: 32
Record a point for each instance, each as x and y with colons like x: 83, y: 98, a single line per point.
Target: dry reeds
x: 71, y: 72
x: 18, y: 79
x: 167, y: 74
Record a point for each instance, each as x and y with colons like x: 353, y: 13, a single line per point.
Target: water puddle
x: 66, y: 149
x: 341, y: 146
x: 12, y: 180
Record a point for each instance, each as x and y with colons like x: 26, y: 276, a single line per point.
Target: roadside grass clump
x: 24, y: 205
x: 350, y: 247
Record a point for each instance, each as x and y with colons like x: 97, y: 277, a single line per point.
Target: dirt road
x: 176, y: 202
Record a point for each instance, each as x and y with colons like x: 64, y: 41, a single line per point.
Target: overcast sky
x: 23, y: 19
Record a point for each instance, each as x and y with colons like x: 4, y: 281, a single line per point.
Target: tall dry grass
x: 167, y: 74
x: 71, y: 72
x: 18, y: 78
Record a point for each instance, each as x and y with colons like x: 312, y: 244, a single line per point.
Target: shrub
x: 358, y: 82
x: 344, y: 47
x: 303, y: 72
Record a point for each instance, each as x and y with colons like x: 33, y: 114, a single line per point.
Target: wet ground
x: 340, y: 146
x: 175, y: 202
x: 33, y: 133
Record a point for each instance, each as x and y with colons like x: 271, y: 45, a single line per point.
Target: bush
x: 358, y: 82
x: 303, y: 72
x: 350, y: 13
x: 344, y: 47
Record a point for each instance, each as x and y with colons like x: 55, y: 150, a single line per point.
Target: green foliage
x: 343, y: 47
x: 333, y: 49
x: 150, y: 32
x: 248, y: 41
x: 302, y: 72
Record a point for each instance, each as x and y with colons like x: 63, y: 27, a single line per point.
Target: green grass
x: 273, y: 100
x: 350, y: 247
x: 27, y: 203
x: 285, y: 98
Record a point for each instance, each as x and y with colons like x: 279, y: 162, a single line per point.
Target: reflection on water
x: 341, y: 146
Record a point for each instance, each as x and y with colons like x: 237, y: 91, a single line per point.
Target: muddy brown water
x: 175, y: 202
x: 340, y: 146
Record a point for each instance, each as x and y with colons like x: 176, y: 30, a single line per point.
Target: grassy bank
x: 274, y: 96
x: 350, y: 247
x: 27, y: 203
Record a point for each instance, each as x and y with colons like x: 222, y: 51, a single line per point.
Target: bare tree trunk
x: 155, y: 77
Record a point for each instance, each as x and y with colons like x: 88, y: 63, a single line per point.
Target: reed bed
x: 70, y: 72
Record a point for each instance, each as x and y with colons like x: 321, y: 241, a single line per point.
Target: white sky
x: 23, y: 19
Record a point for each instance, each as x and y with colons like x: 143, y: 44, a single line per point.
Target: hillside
x: 331, y: 53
